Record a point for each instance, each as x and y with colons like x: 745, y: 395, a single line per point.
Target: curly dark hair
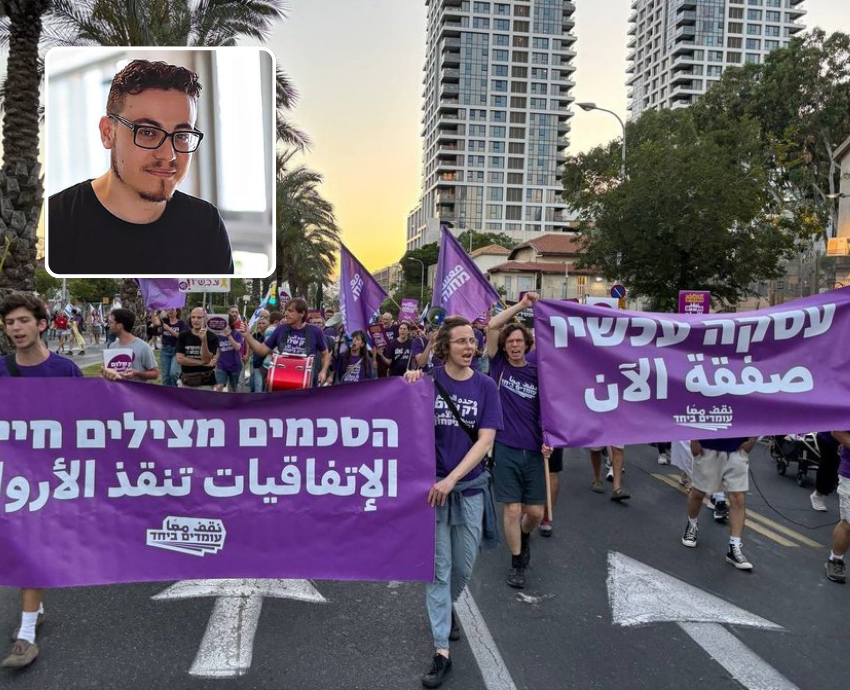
x: 505, y: 333
x: 441, y: 343
x: 28, y: 301
x: 141, y: 75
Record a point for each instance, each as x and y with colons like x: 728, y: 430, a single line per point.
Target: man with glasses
x: 132, y: 218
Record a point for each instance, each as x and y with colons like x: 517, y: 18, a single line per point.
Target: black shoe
x: 454, y: 633
x: 525, y: 549
x: 440, y: 666
x: 516, y: 578
x: 721, y: 511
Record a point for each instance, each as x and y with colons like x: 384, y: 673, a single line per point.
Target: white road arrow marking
x: 228, y: 644
x: 640, y: 595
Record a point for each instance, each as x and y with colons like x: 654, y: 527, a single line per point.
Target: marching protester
x: 615, y: 472
x: 96, y: 327
x: 77, y: 325
x: 229, y: 365
x: 25, y: 318
x: 398, y: 357
x: 519, y: 469
x: 258, y: 370
x: 467, y: 415
x: 197, y: 353
x: 826, y: 479
x: 391, y: 331
x: 143, y: 366
x: 721, y: 462
x: 172, y: 327
x: 61, y: 325
x: 153, y: 329
x: 296, y: 337
x: 355, y: 363
x: 836, y: 570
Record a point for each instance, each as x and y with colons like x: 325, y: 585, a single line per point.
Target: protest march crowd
x: 489, y: 440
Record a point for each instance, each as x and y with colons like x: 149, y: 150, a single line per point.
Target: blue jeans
x: 228, y: 378
x: 454, y: 558
x: 168, y: 366
x: 258, y: 379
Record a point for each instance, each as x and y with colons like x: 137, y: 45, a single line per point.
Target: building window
x: 753, y: 44
x: 520, y: 56
x: 734, y: 42
x: 754, y: 29
x: 501, y: 39
x: 502, y: 25
x: 500, y: 55
x: 513, y: 212
x: 480, y: 23
x: 494, y: 211
x: 499, y: 101
x: 513, y: 193
x: 497, y: 132
x: 495, y: 193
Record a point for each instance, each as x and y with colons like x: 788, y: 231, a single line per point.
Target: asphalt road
x: 557, y: 633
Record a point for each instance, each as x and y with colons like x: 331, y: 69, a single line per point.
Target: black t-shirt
x: 190, y: 345
x: 83, y: 237
x: 399, y: 353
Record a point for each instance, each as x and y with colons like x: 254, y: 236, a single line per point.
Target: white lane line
x: 746, y: 667
x: 495, y: 673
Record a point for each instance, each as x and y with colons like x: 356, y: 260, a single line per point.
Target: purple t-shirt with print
x: 478, y: 404
x: 53, y: 366
x: 296, y: 342
x: 230, y: 360
x: 353, y: 368
x: 520, y: 402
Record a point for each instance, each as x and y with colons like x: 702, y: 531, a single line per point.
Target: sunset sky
x: 358, y: 68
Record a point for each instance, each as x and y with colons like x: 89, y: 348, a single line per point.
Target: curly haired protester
x: 467, y: 415
x: 25, y: 317
x: 519, y: 471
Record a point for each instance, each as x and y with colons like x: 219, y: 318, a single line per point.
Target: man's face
x: 115, y: 328
x: 387, y: 320
x: 234, y: 312
x: 197, y: 318
x: 23, y: 328
x: 153, y: 174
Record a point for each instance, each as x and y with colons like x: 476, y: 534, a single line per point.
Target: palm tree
x: 307, y: 233
x: 21, y: 186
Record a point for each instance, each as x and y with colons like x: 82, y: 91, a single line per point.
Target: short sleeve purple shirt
x: 477, y: 401
x: 520, y: 398
x: 296, y: 343
x: 53, y: 366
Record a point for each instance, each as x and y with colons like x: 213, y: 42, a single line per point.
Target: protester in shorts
x: 615, y: 473
x: 721, y: 463
x: 25, y: 317
x: 836, y: 570
x: 460, y: 493
x: 519, y: 469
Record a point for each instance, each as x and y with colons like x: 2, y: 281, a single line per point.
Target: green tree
x: 45, y: 284
x: 485, y: 239
x: 801, y: 101
x: 307, y: 233
x: 694, y: 213
x: 93, y: 289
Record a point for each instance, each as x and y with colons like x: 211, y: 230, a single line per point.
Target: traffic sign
x: 618, y: 291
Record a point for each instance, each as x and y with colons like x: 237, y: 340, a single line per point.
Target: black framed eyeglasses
x: 150, y: 137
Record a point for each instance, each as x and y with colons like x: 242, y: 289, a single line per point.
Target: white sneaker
x: 662, y: 460
x: 818, y: 502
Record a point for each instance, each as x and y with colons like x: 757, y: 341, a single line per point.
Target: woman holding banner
x: 467, y: 414
x: 519, y: 471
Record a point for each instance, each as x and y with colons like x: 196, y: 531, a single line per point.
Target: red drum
x: 289, y: 372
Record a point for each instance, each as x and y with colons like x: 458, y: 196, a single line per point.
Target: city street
x: 557, y: 633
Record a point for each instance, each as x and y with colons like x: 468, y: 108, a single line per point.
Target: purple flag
x: 633, y: 377
x: 360, y: 295
x: 161, y: 293
x: 459, y: 286
x: 136, y: 483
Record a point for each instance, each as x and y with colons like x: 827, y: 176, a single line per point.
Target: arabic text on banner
x: 633, y: 377
x: 138, y: 483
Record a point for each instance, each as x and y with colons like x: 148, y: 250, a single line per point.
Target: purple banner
x: 161, y: 293
x: 136, y: 482
x: 459, y: 286
x: 633, y: 377
x: 360, y: 295
x: 694, y: 301
x: 408, y: 311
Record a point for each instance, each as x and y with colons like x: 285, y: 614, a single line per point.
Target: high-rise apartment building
x: 680, y: 47
x: 495, y: 117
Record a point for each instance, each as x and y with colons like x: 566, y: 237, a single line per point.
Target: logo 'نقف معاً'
x: 193, y: 536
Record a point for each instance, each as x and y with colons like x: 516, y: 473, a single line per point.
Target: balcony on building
x: 449, y: 75
x: 683, y: 62
x: 451, y: 58
x: 569, y: 6
x: 682, y: 77
x: 685, y: 17
x: 795, y: 27
x: 445, y: 196
x: 686, y: 31
x: 451, y: 29
x: 686, y: 5
x: 448, y: 178
x: 683, y: 47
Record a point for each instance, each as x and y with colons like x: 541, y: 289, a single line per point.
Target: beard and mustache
x: 162, y: 194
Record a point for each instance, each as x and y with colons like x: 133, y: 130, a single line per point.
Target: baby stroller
x: 800, y: 448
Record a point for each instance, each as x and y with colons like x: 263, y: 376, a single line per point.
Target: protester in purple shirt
x: 295, y: 336
x: 519, y: 471
x: 355, y: 363
x: 25, y: 318
x: 422, y: 352
x: 229, y: 365
x: 836, y: 570
x: 721, y: 464
x: 461, y: 491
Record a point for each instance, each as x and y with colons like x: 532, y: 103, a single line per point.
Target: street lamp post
x: 422, y: 281
x: 587, y: 107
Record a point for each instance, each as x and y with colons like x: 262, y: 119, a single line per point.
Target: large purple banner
x: 133, y: 482
x: 634, y: 377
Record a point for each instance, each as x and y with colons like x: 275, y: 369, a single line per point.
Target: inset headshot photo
x: 160, y: 162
